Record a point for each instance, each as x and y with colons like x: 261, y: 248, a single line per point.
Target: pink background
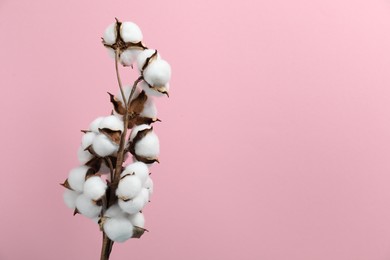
x: 275, y: 141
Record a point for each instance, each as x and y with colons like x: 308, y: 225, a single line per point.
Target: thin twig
x: 118, y: 77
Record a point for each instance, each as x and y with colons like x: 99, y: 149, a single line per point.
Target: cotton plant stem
x: 107, y: 243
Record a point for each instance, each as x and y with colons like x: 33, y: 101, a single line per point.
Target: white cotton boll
x: 148, y: 146
x: 87, y: 207
x: 128, y: 57
x: 76, y: 177
x: 158, y: 73
x: 94, y: 126
x: 136, y: 204
x: 87, y: 139
x: 114, y: 211
x: 111, y: 53
x: 70, y: 198
x: 112, y: 122
x: 149, y: 186
x: 137, y: 219
x: 83, y: 156
x: 150, y: 109
x: 118, y: 229
x: 139, y: 169
x: 129, y: 187
x: 138, y: 128
x: 152, y: 92
x: 130, y: 32
x: 109, y: 36
x: 95, y: 187
x: 141, y: 58
x: 104, y: 146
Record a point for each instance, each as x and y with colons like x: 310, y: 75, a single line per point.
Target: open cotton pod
x: 136, y: 204
x: 87, y: 207
x: 139, y: 169
x: 103, y: 146
x: 126, y: 37
x: 144, y: 144
x: 145, y: 57
x: 94, y: 187
x: 77, y: 177
x: 129, y: 186
x: 118, y: 229
x: 70, y: 198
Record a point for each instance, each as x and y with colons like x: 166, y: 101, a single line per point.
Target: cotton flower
x: 94, y: 188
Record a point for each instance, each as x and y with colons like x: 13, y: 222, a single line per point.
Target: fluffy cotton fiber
x: 70, y: 198
x: 83, y: 156
x: 158, y: 73
x: 87, y: 207
x: 129, y: 187
x: 104, y: 146
x: 139, y: 169
x: 76, y: 178
x: 136, y: 204
x: 118, y: 229
x: 148, y: 146
x: 112, y: 122
x: 94, y: 187
x: 109, y: 36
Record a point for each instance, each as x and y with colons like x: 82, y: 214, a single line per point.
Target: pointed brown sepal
x: 137, y: 104
x: 138, y: 232
x: 75, y: 212
x: 118, y: 106
x: 149, y: 60
x: 85, y: 131
x: 66, y: 185
x: 114, y: 136
x: 140, y: 134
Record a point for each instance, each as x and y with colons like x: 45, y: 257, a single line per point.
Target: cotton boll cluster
x: 126, y: 39
x: 105, y: 187
x: 144, y: 144
x: 119, y: 225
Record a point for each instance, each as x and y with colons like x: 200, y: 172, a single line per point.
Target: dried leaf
x: 76, y: 211
x: 118, y: 106
x: 137, y: 104
x: 114, y: 136
x: 138, y: 232
x: 66, y: 185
